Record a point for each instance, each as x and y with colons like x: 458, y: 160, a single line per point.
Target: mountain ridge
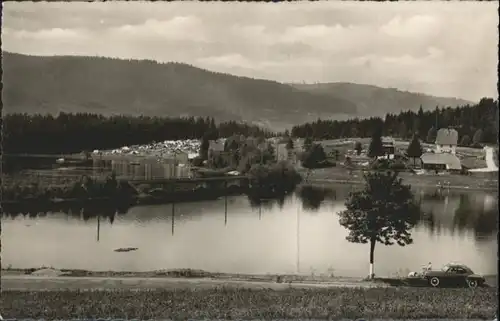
x: 370, y: 99
x: 50, y: 84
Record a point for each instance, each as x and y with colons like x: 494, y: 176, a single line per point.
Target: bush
x: 397, y: 165
x: 198, y: 161
x: 276, y: 178
x: 380, y: 164
x: 314, y: 157
x: 385, y: 164
x: 82, y: 189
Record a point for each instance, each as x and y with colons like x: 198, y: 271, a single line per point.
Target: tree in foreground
x: 383, y: 211
x: 414, y: 149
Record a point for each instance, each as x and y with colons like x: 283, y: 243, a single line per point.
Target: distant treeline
x: 72, y: 133
x: 468, y: 120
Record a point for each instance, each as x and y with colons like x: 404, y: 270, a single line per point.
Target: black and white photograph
x: 291, y: 160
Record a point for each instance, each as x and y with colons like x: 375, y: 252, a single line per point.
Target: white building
x: 446, y: 141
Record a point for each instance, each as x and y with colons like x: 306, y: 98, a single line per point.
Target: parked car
x: 453, y: 274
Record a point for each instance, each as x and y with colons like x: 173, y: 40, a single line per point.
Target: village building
x: 282, y: 153
x: 440, y: 162
x: 446, y: 140
x: 331, y: 152
x: 215, y: 147
x: 142, y: 167
x: 389, y: 147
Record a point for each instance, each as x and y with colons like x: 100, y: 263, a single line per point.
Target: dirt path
x: 41, y: 283
x: 490, y: 161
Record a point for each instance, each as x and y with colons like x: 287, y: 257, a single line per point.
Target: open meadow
x: 242, y: 303
x: 470, y: 157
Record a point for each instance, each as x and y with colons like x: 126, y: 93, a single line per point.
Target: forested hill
x: 35, y: 84
x: 376, y: 101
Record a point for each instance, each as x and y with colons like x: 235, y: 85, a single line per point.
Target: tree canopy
x: 376, y: 148
x: 477, y: 139
x: 465, y: 119
x: 383, y: 211
x: 431, y: 135
x: 358, y: 148
x: 313, y: 157
x: 414, y: 149
x: 72, y: 133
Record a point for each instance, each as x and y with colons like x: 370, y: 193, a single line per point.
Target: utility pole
x: 298, y: 240
x: 225, y: 202
x: 98, y: 226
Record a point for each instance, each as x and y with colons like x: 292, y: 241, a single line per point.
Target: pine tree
x: 358, y: 148
x: 307, y: 143
x: 431, y: 135
x: 376, y: 147
x: 465, y: 141
x: 204, y: 147
x: 477, y: 139
x: 414, y: 149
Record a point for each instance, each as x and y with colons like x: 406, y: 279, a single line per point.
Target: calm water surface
x: 302, y: 234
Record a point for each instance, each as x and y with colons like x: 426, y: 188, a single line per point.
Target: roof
x: 451, y: 161
x: 446, y: 136
x: 387, y: 140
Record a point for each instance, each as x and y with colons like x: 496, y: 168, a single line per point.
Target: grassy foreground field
x: 225, y: 303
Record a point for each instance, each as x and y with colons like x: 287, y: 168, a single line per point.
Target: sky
x: 437, y: 48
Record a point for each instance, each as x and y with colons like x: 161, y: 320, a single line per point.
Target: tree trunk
x: 372, y: 250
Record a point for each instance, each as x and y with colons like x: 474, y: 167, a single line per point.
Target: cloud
x: 54, y: 34
x: 452, y: 45
x: 229, y: 60
x: 415, y: 26
x: 177, y: 28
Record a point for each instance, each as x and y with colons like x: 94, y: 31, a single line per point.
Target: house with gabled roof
x: 446, y: 140
x: 441, y: 162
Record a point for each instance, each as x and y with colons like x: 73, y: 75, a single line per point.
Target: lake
x: 300, y: 234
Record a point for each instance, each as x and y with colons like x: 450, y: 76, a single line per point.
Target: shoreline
x: 321, y: 178
x: 320, y: 181
x: 341, y: 176
x: 176, y: 274
x: 194, y: 274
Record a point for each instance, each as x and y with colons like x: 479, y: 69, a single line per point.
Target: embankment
x: 342, y: 176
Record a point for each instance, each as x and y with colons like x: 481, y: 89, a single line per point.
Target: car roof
x: 457, y: 265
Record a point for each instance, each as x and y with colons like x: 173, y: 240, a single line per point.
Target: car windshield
x: 445, y: 267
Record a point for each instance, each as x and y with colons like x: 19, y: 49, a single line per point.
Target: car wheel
x: 434, y: 281
x: 472, y: 283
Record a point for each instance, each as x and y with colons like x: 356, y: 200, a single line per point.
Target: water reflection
x: 460, y: 212
x: 455, y: 211
x: 267, y: 203
x: 78, y: 210
x: 243, y: 234
x: 312, y: 197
